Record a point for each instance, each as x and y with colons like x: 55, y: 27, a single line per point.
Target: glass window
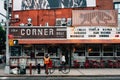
x: 118, y: 16
x: 107, y: 54
x: 108, y: 50
x: 15, y: 50
x: 27, y: 49
x: 118, y: 53
x: 117, y: 7
x: 93, y: 50
x: 52, y: 50
x: 79, y: 50
x: 118, y: 50
x: 94, y: 54
x: 40, y: 50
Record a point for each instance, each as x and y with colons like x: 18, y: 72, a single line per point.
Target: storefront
x: 86, y: 32
x: 104, y: 45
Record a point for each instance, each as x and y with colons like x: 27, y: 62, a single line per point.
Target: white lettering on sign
x: 37, y: 32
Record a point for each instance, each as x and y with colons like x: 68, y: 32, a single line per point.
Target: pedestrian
x: 32, y: 55
x: 62, y: 61
x: 4, y: 58
x: 46, y: 62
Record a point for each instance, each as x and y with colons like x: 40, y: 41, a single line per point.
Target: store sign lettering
x: 38, y: 32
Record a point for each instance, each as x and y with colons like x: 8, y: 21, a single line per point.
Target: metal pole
x: 7, y: 67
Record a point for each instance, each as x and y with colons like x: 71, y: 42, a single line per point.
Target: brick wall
x: 43, y: 16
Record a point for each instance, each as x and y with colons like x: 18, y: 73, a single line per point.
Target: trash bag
x: 14, y: 71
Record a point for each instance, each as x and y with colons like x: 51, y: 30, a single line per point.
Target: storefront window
x: 15, y: 50
x: 118, y: 53
x: 52, y: 50
x: 93, y: 50
x: 108, y: 50
x: 39, y: 50
x: 79, y: 50
x: 118, y: 50
x: 27, y: 49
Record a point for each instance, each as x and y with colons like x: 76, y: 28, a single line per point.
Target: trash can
x: 22, y: 66
x: 22, y: 69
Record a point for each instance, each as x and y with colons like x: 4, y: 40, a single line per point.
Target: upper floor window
x: 117, y: 7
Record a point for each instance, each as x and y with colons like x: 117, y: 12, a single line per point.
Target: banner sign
x: 51, y: 4
x: 93, y: 33
x: 38, y: 32
x: 95, y: 18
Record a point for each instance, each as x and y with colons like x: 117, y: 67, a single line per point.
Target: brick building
x: 81, y: 31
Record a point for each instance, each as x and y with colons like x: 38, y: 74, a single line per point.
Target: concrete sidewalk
x: 73, y: 72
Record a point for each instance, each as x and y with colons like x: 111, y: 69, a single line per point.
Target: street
x: 60, y: 78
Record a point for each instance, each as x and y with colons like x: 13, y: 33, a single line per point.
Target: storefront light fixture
x: 29, y: 20
x: 16, y: 16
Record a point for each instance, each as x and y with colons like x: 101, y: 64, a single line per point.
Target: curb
x: 20, y: 75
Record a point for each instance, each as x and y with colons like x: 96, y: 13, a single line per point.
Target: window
x: 52, y: 50
x: 108, y: 50
x: 93, y: 50
x: 117, y: 50
x: 27, y: 49
x: 80, y: 50
x: 117, y: 7
x: 15, y: 50
x: 40, y: 50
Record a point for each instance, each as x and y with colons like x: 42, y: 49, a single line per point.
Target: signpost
x: 7, y: 67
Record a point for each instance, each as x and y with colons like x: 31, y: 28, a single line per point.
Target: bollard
x: 38, y: 67
x: 30, y: 68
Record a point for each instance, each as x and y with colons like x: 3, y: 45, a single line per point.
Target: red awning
x: 44, y: 41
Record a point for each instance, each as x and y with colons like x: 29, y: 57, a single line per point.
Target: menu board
x: 93, y: 33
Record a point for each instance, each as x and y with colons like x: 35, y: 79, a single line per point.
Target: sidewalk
x: 73, y: 72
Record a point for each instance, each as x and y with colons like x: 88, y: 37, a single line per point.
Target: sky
x: 2, y: 10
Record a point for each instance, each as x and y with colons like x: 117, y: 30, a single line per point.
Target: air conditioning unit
x: 69, y: 21
x: 63, y: 21
x: 58, y: 22
x: 46, y: 24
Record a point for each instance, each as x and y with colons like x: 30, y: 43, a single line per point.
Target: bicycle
x: 65, y: 69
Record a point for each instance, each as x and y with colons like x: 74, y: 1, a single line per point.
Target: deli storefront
x: 79, y: 44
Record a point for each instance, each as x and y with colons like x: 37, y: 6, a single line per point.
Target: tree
x: 2, y: 38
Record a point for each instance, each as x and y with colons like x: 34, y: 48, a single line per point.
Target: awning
x: 50, y: 41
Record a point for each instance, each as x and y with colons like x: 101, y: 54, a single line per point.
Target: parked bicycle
x: 64, y: 69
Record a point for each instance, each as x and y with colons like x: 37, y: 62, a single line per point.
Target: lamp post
x: 7, y: 67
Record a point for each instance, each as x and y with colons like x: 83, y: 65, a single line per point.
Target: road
x: 60, y: 78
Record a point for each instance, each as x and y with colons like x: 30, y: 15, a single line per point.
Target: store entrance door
x: 66, y: 51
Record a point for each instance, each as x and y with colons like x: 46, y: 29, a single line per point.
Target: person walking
x: 62, y: 61
x: 46, y: 62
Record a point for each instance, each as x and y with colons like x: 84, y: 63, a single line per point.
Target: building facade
x: 81, y: 30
